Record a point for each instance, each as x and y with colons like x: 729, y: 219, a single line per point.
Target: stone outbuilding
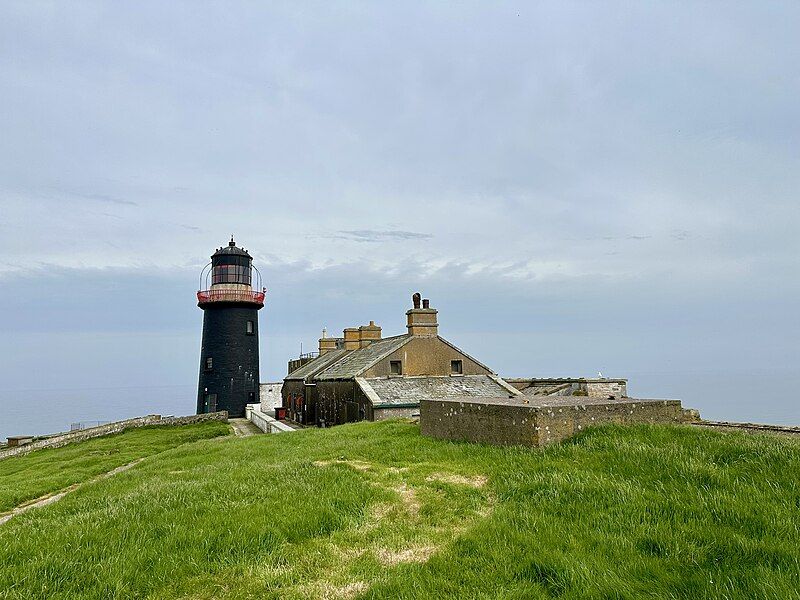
x: 364, y: 376
x: 539, y: 421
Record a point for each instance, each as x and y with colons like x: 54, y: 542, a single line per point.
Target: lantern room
x: 230, y: 275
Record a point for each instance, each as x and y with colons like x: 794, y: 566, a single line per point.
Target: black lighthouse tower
x: 229, y: 353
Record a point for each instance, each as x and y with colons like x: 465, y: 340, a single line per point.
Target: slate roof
x: 316, y: 365
x: 357, y: 361
x: 410, y: 390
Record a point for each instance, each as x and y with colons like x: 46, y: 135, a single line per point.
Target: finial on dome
x: 231, y: 243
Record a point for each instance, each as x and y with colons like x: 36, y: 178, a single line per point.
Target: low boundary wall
x: 509, y: 421
x: 264, y: 422
x: 791, y: 430
x: 57, y: 441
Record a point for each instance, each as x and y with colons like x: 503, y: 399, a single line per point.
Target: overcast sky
x: 578, y: 187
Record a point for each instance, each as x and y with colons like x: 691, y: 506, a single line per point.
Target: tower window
x: 456, y: 367
x: 396, y: 367
x: 209, y: 363
x: 250, y: 328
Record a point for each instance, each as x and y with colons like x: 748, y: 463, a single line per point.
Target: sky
x: 577, y: 187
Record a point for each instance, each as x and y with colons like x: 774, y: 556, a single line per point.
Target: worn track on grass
x: 51, y: 498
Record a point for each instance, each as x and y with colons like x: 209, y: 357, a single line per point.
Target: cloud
x: 106, y: 198
x: 95, y: 196
x: 371, y: 235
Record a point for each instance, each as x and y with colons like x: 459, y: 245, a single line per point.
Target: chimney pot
x: 422, y: 322
x: 415, y: 299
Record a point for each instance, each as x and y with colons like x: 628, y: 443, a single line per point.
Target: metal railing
x: 228, y: 295
x: 86, y: 425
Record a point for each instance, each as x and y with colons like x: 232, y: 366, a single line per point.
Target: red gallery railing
x: 226, y: 295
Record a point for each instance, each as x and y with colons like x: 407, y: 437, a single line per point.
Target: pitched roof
x: 357, y: 361
x: 393, y: 391
x: 316, y: 365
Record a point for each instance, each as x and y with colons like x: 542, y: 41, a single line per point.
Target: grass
x: 374, y: 510
x: 42, y: 472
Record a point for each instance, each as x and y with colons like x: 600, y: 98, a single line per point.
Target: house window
x: 396, y: 367
x: 250, y: 328
x: 209, y: 363
x: 456, y: 367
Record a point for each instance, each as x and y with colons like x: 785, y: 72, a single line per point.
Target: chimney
x: 326, y: 344
x: 422, y: 321
x: 352, y: 339
x: 368, y: 334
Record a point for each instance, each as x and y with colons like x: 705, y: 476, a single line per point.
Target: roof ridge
x: 321, y: 362
x: 354, y: 355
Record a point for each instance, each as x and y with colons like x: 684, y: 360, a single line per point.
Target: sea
x: 755, y: 396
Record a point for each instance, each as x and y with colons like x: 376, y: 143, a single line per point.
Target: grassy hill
x: 374, y: 510
x: 46, y: 471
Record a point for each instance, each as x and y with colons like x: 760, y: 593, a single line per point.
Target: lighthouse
x: 229, y: 352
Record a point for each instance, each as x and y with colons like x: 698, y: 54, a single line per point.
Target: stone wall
x: 394, y: 412
x: 57, y: 441
x: 567, y: 386
x: 509, y: 421
x: 270, y: 396
x: 606, y: 388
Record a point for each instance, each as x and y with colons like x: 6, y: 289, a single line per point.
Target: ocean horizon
x: 746, y: 396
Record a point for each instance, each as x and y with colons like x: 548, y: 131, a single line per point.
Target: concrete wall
x: 110, y: 428
x: 395, y: 412
x: 507, y: 422
x: 265, y: 422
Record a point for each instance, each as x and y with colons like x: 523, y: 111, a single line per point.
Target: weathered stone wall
x: 560, y: 422
x: 116, y: 427
x: 568, y: 386
x: 381, y: 414
x: 507, y: 422
x: 270, y: 396
x: 484, y: 422
x: 606, y: 388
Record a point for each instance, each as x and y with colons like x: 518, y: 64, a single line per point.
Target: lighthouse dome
x: 231, y: 250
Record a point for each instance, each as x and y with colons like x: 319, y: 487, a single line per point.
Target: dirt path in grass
x: 243, y: 427
x: 51, y: 498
